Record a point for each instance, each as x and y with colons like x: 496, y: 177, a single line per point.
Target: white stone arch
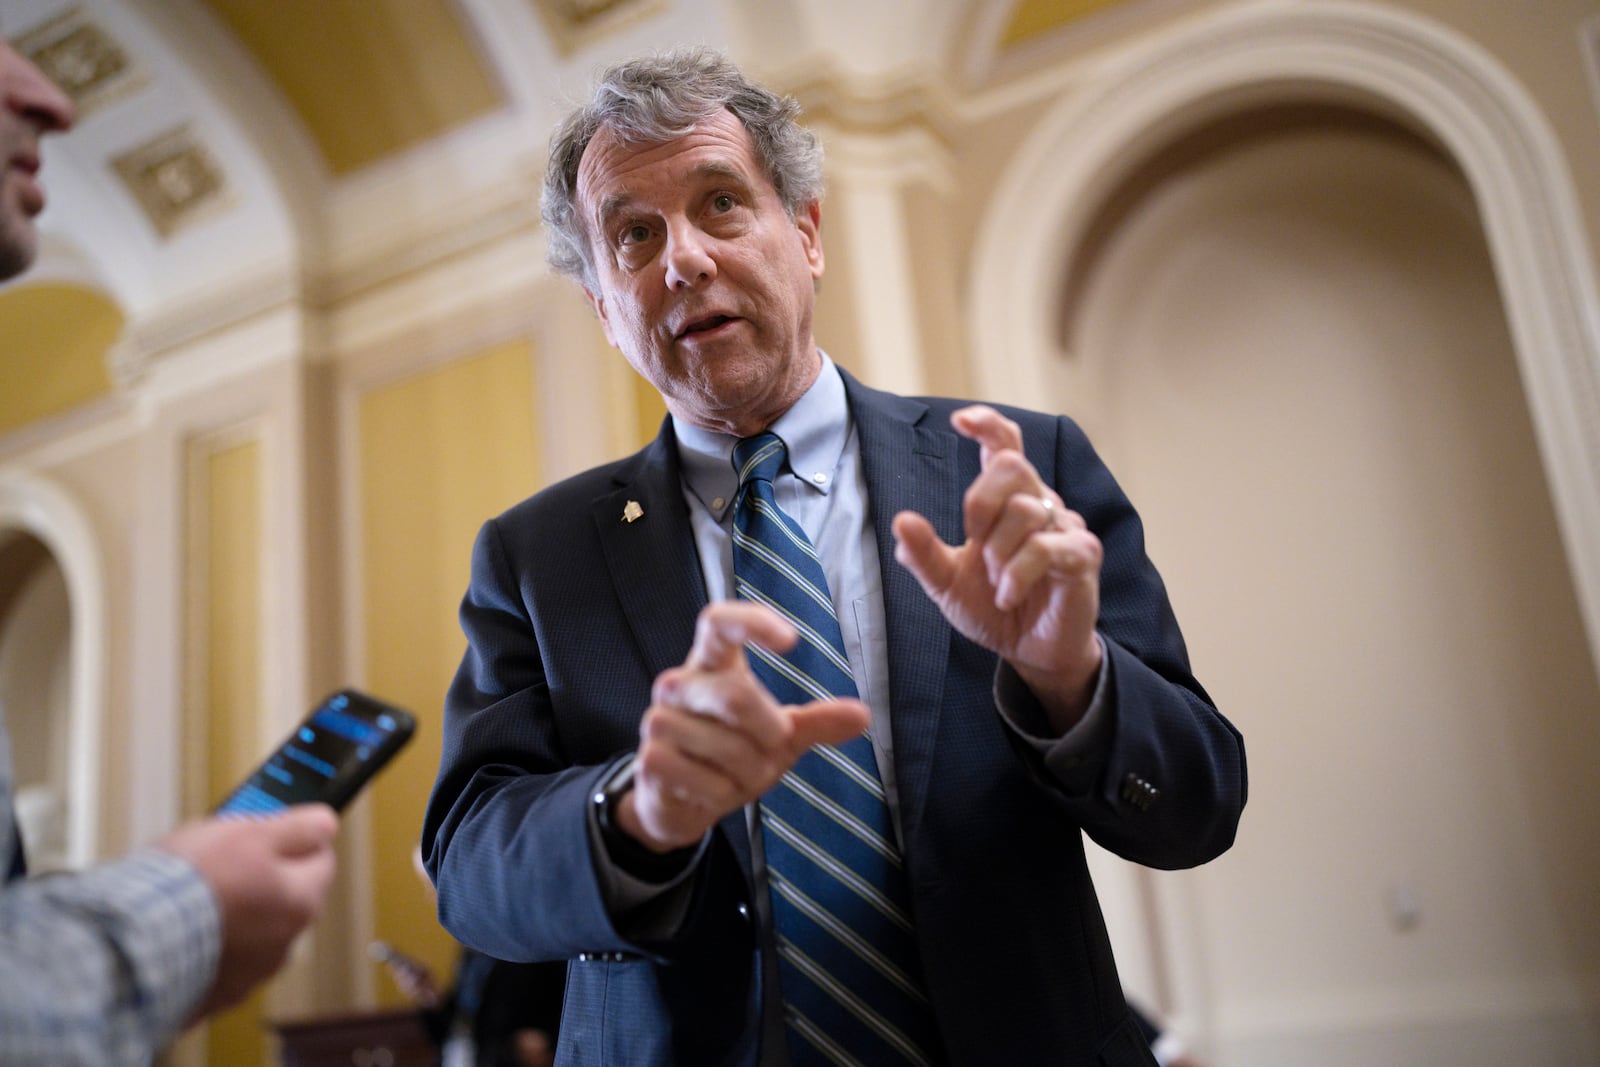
x: 42, y: 509
x: 1392, y: 63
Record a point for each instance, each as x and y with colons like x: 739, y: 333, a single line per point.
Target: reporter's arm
x: 104, y: 966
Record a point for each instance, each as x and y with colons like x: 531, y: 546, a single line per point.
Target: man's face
x: 705, y: 283
x: 30, y: 106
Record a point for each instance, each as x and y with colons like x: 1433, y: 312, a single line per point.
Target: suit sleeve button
x: 1137, y: 792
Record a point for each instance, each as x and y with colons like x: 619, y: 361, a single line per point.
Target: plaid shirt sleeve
x: 102, y: 966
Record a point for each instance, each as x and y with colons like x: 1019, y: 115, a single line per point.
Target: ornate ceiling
x: 241, y: 149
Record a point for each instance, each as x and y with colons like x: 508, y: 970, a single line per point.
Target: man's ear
x: 808, y: 220
x: 598, y: 303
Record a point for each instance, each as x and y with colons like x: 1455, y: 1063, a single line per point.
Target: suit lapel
x: 644, y: 531
x: 655, y: 568
x: 909, y: 466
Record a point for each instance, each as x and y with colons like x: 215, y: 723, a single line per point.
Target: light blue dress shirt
x: 824, y: 491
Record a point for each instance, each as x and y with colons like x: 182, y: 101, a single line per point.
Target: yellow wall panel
x: 439, y: 453
x: 1034, y: 18
x: 368, y: 77
x: 231, y: 512
x: 53, y: 345
x: 650, y: 410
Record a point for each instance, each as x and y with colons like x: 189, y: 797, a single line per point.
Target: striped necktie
x: 848, y: 964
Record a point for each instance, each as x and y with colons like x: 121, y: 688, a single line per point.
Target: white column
x: 868, y: 176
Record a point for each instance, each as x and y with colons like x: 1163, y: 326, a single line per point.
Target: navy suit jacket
x: 571, y: 614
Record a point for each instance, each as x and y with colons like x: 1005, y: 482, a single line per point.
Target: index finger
x: 725, y: 626
x: 992, y: 430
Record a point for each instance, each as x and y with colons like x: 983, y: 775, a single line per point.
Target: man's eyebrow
x: 611, y: 207
x: 617, y: 203
x: 722, y: 171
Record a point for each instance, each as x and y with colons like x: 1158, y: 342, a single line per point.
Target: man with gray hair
x: 785, y: 729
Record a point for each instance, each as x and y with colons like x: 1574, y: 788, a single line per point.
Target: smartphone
x: 328, y: 758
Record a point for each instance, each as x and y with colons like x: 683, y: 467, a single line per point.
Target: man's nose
x: 28, y: 93
x: 689, y: 259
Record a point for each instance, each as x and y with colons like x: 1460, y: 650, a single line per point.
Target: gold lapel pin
x: 632, y: 511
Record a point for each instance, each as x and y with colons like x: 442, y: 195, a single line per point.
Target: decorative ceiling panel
x: 83, y: 58
x: 175, y: 180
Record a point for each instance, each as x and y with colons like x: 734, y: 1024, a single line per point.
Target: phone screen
x: 328, y: 758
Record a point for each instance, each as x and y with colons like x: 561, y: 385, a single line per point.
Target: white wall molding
x: 868, y: 178
x: 1470, y: 1024
x: 171, y: 343
x: 389, y: 221
x: 45, y: 510
x: 1391, y: 63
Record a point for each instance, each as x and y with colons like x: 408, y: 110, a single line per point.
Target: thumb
x: 827, y: 722
x: 303, y: 830
x: 920, y: 551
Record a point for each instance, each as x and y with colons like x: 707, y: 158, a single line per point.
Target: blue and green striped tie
x: 852, y: 982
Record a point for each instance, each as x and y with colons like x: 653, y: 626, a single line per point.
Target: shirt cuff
x: 1071, y: 758
x: 644, y: 909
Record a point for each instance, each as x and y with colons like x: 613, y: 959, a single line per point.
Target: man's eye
x: 635, y: 234
x: 723, y: 202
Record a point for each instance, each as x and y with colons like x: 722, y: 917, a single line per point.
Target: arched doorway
x: 52, y: 662
x: 1291, y: 341
x: 35, y: 697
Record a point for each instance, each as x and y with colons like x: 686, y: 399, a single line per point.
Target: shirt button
x: 820, y: 478
x: 716, y: 505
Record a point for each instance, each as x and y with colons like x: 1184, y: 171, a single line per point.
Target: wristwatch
x: 609, y: 795
x: 625, y: 851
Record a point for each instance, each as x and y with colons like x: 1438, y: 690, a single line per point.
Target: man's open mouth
x: 705, y: 325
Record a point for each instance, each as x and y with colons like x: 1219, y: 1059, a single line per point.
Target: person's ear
x: 598, y: 303
x: 809, y: 222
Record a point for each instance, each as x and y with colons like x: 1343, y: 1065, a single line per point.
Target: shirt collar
x: 814, y: 430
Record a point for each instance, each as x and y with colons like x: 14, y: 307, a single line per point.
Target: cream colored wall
x: 1539, y: 44
x: 1536, y: 45
x: 1295, y: 358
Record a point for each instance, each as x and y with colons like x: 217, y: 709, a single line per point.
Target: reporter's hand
x: 269, y: 877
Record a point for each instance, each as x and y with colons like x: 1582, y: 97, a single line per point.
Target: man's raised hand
x: 1026, y: 582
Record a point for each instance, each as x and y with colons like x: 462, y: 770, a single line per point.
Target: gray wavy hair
x: 658, y: 98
